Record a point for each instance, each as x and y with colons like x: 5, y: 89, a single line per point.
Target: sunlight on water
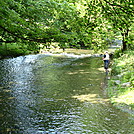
x: 92, y: 98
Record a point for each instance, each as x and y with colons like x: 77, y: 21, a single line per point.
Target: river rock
x: 119, y: 75
x: 108, y: 78
x: 117, y: 82
x: 127, y: 84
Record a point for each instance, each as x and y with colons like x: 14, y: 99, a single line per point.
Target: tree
x: 84, y: 23
x: 34, y: 21
x: 120, y: 15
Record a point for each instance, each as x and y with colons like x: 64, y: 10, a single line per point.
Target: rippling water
x: 42, y: 94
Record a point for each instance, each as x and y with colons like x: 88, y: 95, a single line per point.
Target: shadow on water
x: 58, y: 95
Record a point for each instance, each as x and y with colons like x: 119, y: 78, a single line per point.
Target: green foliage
x: 121, y: 86
x: 123, y: 68
x: 13, y: 50
x: 121, y: 17
x: 118, y: 53
x: 123, y: 62
x: 83, y: 24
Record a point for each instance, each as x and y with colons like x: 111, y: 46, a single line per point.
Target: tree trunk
x: 124, y: 43
x: 125, y: 40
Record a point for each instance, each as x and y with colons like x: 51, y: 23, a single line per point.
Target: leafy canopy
x: 84, y: 23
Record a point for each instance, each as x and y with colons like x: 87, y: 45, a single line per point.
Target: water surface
x: 42, y: 94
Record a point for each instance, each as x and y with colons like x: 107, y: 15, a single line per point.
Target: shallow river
x: 42, y: 94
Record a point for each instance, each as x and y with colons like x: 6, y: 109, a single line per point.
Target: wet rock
x: 117, y: 82
x: 119, y: 75
x: 108, y: 78
x: 127, y: 84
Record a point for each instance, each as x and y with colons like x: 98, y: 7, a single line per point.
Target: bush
x: 123, y: 73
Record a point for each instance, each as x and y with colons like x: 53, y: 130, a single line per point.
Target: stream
x: 43, y: 94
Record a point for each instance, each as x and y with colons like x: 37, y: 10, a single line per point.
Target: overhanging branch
x: 42, y: 40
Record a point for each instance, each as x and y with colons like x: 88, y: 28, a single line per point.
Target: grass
x: 122, y: 93
x: 126, y: 97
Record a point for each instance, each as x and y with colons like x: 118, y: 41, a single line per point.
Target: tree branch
x: 116, y: 13
x: 121, y: 7
x: 42, y: 40
x: 12, y: 41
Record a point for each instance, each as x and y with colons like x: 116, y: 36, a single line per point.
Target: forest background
x: 28, y: 25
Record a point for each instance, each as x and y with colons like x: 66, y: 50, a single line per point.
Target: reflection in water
x: 45, y: 94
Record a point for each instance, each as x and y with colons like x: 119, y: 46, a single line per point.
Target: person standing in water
x: 106, y: 59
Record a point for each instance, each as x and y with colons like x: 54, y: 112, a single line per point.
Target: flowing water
x: 42, y: 94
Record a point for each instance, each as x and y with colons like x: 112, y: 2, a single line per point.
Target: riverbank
x: 75, y: 51
x: 10, y: 50
x: 121, y: 85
